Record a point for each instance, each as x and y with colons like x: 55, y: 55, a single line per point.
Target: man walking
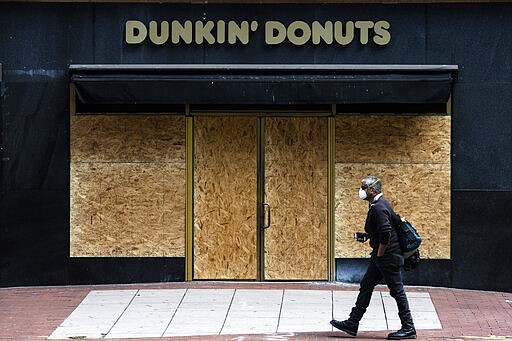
x: 385, y: 262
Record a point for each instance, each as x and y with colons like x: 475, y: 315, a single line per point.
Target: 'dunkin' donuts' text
x: 232, y: 32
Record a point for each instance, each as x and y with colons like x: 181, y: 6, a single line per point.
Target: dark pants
x: 389, y: 268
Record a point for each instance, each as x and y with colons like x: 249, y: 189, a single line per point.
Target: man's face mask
x: 362, y: 194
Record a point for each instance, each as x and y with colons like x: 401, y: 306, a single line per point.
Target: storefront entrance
x: 260, y: 197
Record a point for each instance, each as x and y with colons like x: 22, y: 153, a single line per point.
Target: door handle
x: 266, y: 216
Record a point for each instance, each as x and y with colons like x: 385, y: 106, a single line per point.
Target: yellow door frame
x: 189, y: 208
x: 331, y: 195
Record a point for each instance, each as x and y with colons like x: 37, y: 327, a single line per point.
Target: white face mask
x: 362, y: 194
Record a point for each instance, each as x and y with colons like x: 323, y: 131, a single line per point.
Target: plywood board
x: 296, y: 190
x: 127, y: 209
x: 393, y: 139
x: 225, y: 198
x: 127, y: 138
x: 411, y: 154
x: 127, y: 186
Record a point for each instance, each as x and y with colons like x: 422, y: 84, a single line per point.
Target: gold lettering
x: 221, y: 31
x: 231, y: 32
x: 164, y: 32
x: 238, y: 32
x: 363, y: 27
x: 344, y: 39
x: 136, y: 32
x: 254, y: 25
x: 204, y: 32
x: 180, y: 31
x: 275, y: 32
x: 322, y: 32
x: 383, y: 36
x: 298, y: 26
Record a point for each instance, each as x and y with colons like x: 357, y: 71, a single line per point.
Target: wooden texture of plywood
x: 127, y: 138
x: 225, y: 197
x: 296, y: 190
x: 411, y: 154
x: 127, y: 186
x: 127, y: 209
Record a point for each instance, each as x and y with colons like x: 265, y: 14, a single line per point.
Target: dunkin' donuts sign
x: 275, y: 32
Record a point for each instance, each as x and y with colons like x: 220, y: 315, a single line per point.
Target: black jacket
x: 379, y: 225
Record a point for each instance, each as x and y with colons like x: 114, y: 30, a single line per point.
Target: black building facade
x: 46, y: 49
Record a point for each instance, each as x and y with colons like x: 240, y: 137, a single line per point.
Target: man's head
x: 371, y: 186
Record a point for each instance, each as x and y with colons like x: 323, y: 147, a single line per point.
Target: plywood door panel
x: 225, y: 243
x: 296, y: 190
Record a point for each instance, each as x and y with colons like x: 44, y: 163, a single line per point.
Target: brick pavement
x: 33, y: 313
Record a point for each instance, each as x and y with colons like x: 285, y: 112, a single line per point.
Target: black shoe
x: 409, y: 333
x: 347, y: 326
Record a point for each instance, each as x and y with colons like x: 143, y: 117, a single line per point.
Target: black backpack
x: 409, y: 241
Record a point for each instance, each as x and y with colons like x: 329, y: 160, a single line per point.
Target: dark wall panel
x: 126, y: 270
x: 34, y: 237
x: 36, y: 139
x: 482, y: 138
x: 45, y: 36
x: 481, y: 235
x: 431, y: 272
x: 476, y: 37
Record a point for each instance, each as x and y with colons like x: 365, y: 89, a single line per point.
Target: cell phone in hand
x: 361, y: 236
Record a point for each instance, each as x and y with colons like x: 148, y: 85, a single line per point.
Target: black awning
x: 245, y: 85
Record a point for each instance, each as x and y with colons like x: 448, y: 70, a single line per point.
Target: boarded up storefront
x: 254, y: 194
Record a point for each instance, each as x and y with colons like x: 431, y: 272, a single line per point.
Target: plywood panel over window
x: 411, y: 154
x: 127, y: 186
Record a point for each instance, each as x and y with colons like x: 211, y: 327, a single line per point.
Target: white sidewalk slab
x: 254, y: 312
x: 96, y: 315
x: 306, y: 310
x: 148, y: 315
x: 201, y: 312
x: 187, y: 312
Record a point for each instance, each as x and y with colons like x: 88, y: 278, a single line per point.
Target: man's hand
x: 361, y: 236
x: 381, y: 250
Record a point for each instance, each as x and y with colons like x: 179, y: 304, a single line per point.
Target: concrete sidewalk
x: 250, y: 311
